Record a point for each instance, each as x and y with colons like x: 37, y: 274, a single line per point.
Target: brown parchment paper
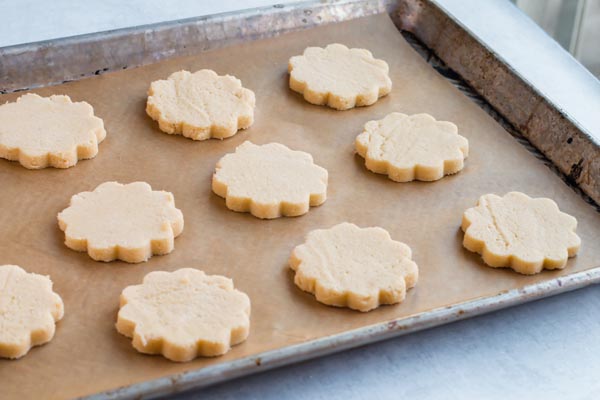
x: 87, y: 355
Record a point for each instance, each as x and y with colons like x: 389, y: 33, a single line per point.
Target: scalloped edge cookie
x: 158, y: 286
x: 381, y: 159
x: 107, y: 250
x: 240, y: 197
x: 483, y: 219
x: 36, y: 291
x: 60, y: 157
x: 320, y: 255
x: 202, y: 123
x: 337, y: 98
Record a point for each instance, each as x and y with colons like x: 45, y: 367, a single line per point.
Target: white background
x: 549, y: 349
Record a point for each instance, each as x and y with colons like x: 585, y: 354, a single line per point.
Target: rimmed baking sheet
x: 88, y: 356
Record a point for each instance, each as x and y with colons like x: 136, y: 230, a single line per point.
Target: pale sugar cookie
x: 41, y: 132
x: 201, y: 105
x: 347, y: 266
x: 412, y: 147
x: 339, y: 77
x: 29, y: 310
x: 269, y: 181
x: 184, y: 314
x: 519, y: 232
x: 128, y: 222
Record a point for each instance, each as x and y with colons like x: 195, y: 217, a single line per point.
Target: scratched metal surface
x: 469, y: 49
x: 440, y: 66
x: 61, y: 60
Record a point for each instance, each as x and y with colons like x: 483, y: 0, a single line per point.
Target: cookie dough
x: 412, y: 147
x: 184, y: 314
x: 41, y: 132
x: 339, y: 77
x: 519, y: 232
x: 201, y: 105
x: 269, y: 181
x: 346, y: 266
x: 128, y: 222
x: 29, y: 310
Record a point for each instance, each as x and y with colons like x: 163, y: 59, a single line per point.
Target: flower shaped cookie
x: 201, y: 105
x: 121, y: 222
x: 415, y: 147
x: 29, y: 310
x: 41, y: 132
x: 519, y: 232
x: 339, y: 77
x: 269, y: 181
x: 347, y: 266
x: 184, y: 314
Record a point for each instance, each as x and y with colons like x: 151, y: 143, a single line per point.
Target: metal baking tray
x: 526, y: 114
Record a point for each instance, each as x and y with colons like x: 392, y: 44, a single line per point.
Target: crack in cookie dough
x: 41, y: 132
x: 128, y: 222
x: 519, y: 232
x: 184, y: 314
x: 201, y: 105
x: 412, y: 147
x: 29, y: 310
x: 346, y: 266
x: 339, y: 77
x: 269, y: 181
x: 502, y: 236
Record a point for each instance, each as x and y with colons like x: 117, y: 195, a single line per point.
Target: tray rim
x: 550, y: 127
x: 228, y: 370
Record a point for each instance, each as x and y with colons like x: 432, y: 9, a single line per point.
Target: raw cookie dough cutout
x: 201, y: 105
x: 41, y: 132
x: 519, y: 232
x: 269, y: 181
x: 128, y: 222
x: 346, y: 266
x: 184, y: 314
x: 29, y: 310
x: 412, y: 147
x: 339, y: 77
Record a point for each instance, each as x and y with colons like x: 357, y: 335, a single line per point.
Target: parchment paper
x: 87, y: 354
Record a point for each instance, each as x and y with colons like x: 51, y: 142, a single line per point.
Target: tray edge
x: 350, y: 339
x: 573, y: 148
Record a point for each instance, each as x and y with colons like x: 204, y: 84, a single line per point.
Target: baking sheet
x: 87, y: 355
